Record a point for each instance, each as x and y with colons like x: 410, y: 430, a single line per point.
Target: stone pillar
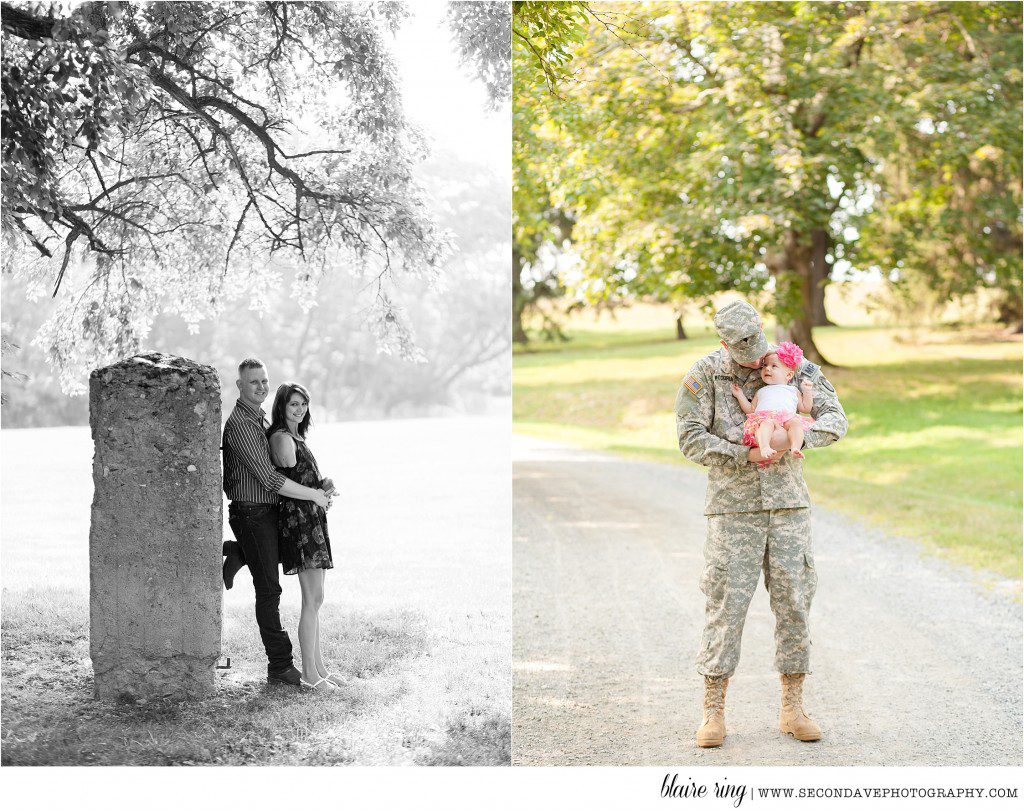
x: 155, y: 542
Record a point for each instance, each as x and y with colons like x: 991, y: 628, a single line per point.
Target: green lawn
x: 934, y: 447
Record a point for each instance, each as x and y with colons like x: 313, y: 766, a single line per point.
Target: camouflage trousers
x: 739, y: 546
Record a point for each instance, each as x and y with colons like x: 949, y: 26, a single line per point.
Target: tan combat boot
x: 792, y: 718
x: 712, y: 731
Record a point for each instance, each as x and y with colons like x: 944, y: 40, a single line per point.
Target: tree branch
x: 19, y: 23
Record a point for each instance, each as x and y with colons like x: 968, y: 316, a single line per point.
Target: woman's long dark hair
x: 277, y: 415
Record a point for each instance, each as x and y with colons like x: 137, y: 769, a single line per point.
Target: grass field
x: 934, y: 446
x: 416, y: 615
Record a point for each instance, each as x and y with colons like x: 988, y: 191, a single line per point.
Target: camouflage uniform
x: 758, y: 518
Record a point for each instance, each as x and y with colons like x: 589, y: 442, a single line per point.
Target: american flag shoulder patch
x: 692, y: 384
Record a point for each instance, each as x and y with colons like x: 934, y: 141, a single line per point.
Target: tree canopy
x: 482, y: 36
x: 544, y: 36
x: 157, y: 155
x: 704, y: 147
x: 461, y: 326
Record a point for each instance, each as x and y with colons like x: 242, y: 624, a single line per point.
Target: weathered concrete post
x: 154, y: 546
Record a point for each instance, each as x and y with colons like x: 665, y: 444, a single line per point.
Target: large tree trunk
x: 299, y: 364
x: 794, y: 284
x: 1010, y: 312
x: 821, y: 272
x: 680, y: 331
x: 518, y: 299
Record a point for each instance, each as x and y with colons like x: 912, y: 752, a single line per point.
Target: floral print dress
x: 303, y: 541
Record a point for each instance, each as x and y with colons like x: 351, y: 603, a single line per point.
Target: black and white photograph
x: 255, y: 478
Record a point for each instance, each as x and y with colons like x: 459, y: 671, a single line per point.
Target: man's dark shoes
x: 290, y: 676
x: 233, y: 561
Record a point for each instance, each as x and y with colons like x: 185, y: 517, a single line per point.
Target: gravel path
x: 915, y: 663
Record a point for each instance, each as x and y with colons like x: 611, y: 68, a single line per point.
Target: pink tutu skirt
x: 780, y: 418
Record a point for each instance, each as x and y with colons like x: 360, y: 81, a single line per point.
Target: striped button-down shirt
x: 248, y: 473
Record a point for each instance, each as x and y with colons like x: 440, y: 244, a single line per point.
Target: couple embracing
x: 278, y: 514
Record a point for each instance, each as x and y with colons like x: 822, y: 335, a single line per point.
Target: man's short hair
x: 250, y: 363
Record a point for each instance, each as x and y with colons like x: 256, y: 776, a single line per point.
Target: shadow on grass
x: 597, y: 345
x: 479, y: 738
x: 51, y: 717
x: 894, y: 400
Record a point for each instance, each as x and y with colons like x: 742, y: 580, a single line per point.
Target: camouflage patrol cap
x: 739, y: 325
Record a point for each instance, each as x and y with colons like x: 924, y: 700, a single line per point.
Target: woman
x: 302, y: 525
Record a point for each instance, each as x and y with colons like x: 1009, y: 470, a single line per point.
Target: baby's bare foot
x: 798, y: 454
x: 768, y: 452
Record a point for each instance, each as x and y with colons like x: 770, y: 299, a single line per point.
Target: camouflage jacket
x: 709, y: 424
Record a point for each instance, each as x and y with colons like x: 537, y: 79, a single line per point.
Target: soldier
x: 758, y: 517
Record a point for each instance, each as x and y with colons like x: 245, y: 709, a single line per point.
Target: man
x: 758, y: 517
x: 252, y: 486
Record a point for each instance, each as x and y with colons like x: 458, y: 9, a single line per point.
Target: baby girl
x: 777, y: 403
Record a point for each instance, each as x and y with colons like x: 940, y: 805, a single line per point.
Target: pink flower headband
x: 790, y: 354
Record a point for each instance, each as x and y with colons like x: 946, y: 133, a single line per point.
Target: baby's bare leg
x: 795, y: 429
x: 764, y: 438
x: 780, y: 439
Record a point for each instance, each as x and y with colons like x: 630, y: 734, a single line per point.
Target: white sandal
x: 314, y: 686
x: 342, y: 681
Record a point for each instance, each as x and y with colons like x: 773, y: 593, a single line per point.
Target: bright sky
x: 447, y: 101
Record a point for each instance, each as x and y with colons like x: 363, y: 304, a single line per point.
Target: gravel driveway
x: 915, y: 663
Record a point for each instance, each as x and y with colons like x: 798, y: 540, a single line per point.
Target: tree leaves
x: 482, y: 33
x: 698, y: 147
x: 182, y: 144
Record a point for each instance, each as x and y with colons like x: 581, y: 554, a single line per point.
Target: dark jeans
x: 255, y: 529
